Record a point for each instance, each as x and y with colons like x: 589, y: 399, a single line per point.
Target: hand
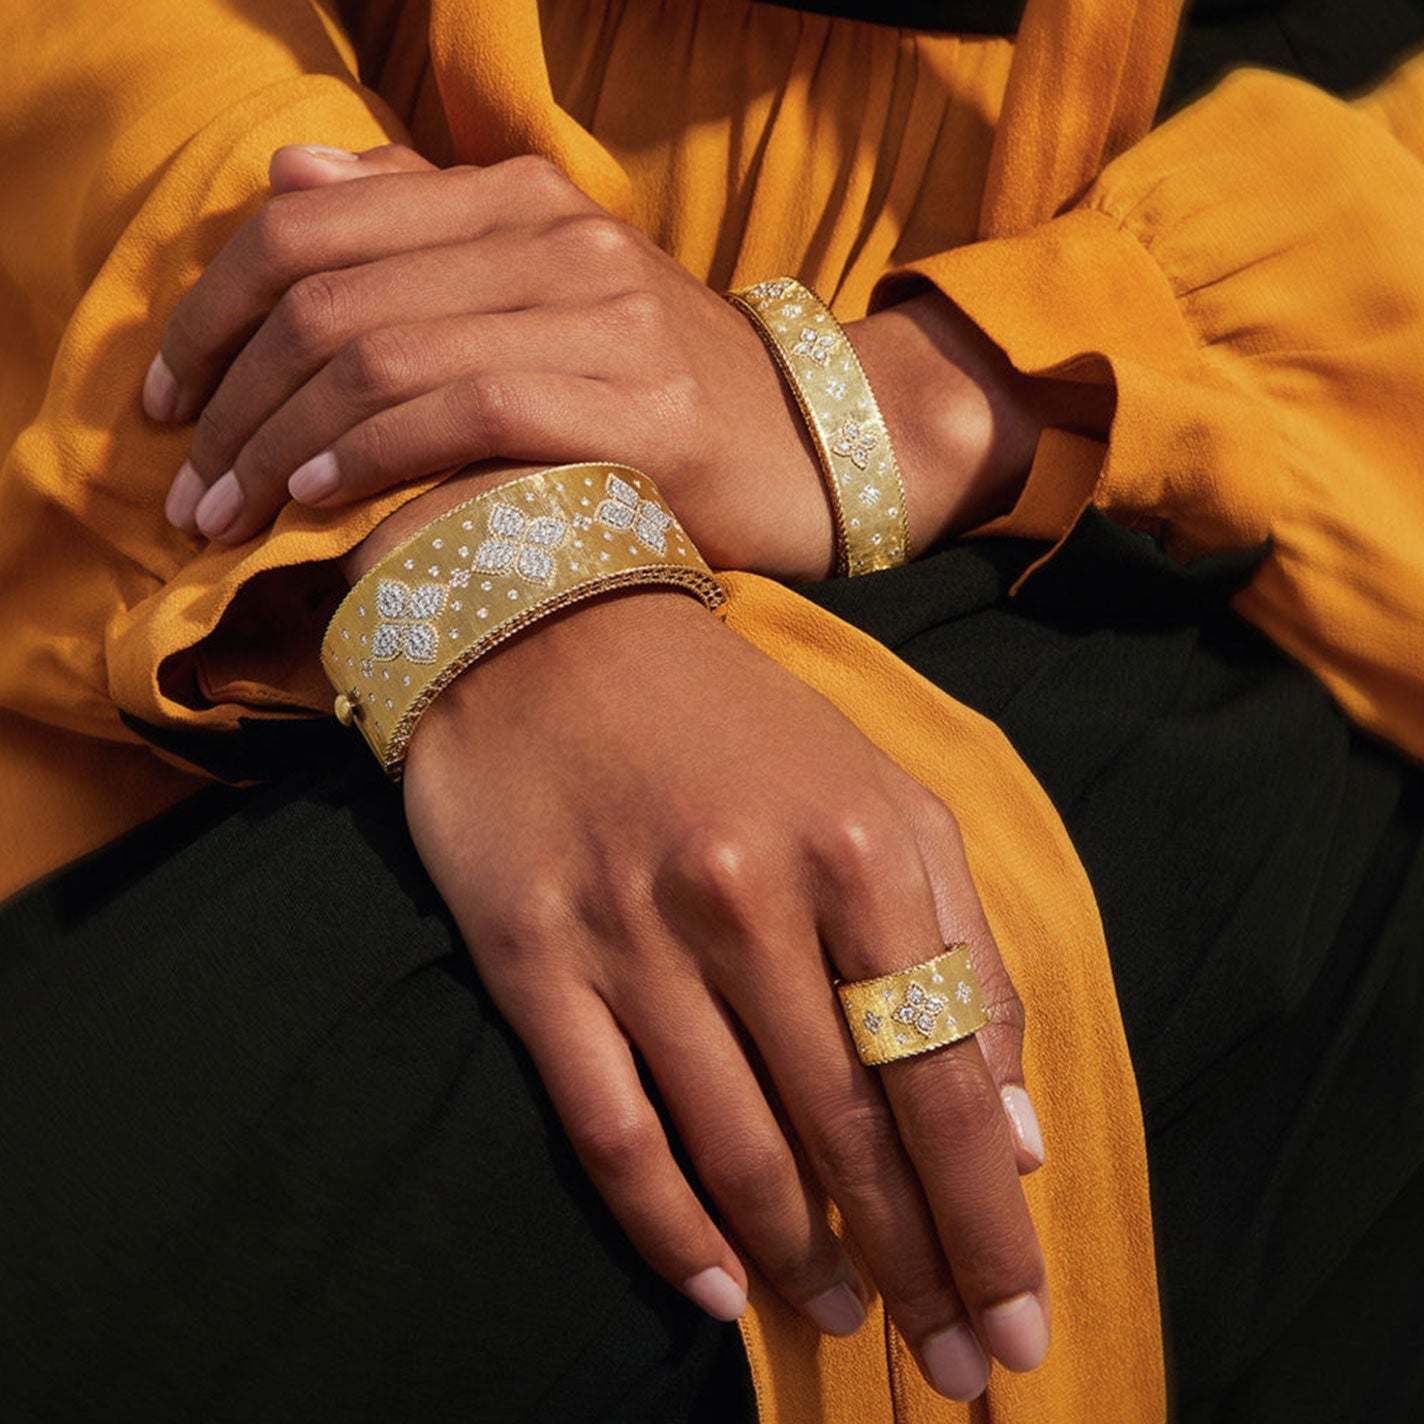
x: 361, y: 334
x: 355, y: 335
x: 660, y: 846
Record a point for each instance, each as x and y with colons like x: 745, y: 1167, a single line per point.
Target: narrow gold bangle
x: 847, y: 429
x: 487, y: 569
x: 914, y: 1010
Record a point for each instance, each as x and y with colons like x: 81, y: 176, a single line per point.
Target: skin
x: 672, y: 877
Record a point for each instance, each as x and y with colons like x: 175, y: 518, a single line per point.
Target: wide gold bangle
x: 484, y: 571
x: 852, y: 443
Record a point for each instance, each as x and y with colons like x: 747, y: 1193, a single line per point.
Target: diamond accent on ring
x: 920, y: 1010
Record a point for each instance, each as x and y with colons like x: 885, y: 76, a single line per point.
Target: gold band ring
x: 914, y: 1010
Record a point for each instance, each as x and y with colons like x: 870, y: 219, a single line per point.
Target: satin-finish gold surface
x: 914, y: 1010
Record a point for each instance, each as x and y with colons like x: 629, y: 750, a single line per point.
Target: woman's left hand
x: 354, y: 335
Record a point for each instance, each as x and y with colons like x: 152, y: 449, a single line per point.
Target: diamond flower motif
x: 520, y: 543
x: 854, y: 442
x: 406, y: 629
x: 919, y: 1009
x: 770, y: 291
x: 964, y: 993
x: 818, y: 345
x: 871, y: 1022
x: 625, y: 509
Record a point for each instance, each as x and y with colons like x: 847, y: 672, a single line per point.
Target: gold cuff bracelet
x: 852, y: 444
x: 484, y: 571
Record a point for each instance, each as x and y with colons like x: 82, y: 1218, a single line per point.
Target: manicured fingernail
x: 717, y: 1293
x: 1017, y: 1332
x: 320, y: 150
x: 160, y: 390
x: 220, y: 507
x: 316, y: 480
x: 184, y: 495
x: 1019, y: 1107
x: 836, y: 1311
x: 956, y: 1364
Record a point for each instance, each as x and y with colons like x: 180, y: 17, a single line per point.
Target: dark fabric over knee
x: 1260, y: 871
x: 269, y: 1153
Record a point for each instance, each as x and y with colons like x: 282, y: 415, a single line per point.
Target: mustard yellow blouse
x: 1249, y: 277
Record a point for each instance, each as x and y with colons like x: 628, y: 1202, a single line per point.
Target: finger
x: 517, y: 415
x: 742, y: 1156
x: 300, y: 233
x: 962, y: 921
x: 774, y: 978
x: 297, y: 167
x: 391, y: 329
x: 592, y: 1079
x: 946, y: 1104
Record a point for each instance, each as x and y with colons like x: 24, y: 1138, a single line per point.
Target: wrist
x: 965, y: 422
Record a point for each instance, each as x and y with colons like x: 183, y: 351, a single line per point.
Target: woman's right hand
x: 660, y: 847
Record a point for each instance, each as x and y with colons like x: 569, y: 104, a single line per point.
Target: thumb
x: 314, y: 165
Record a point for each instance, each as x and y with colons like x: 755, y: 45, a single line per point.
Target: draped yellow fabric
x: 1249, y: 277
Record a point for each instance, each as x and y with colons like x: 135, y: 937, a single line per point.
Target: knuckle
x: 996, y: 1263
x: 718, y: 870
x: 371, y: 448
x: 279, y: 232
x: 485, y: 405
x: 677, y: 400
x: 851, y: 1156
x: 616, y: 1143
x: 373, y: 366
x: 524, y: 931
x: 597, y: 239
x: 214, y: 439
x: 962, y: 1107
x: 749, y: 1176
x: 867, y: 853
x: 632, y: 314
x: 312, y: 311
x: 536, y: 177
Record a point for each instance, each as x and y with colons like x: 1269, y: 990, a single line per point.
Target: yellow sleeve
x: 1250, y: 278
x: 135, y: 143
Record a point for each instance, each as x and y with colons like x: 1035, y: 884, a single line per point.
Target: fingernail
x: 184, y: 495
x: 1017, y: 1332
x: 836, y: 1311
x: 320, y: 150
x: 717, y: 1293
x: 160, y: 390
x: 219, y: 508
x: 1019, y: 1107
x: 955, y: 1363
x: 316, y: 480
